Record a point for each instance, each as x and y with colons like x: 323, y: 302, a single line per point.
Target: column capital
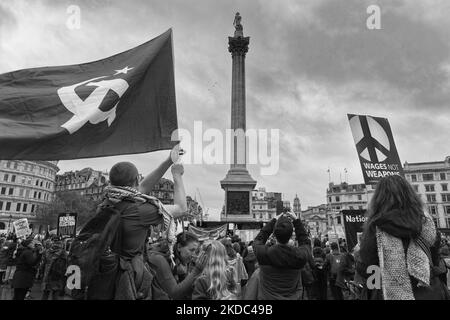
x: 238, y: 45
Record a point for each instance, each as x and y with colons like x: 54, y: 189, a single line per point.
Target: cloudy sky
x: 309, y: 64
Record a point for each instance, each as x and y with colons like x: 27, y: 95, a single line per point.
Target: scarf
x: 116, y: 194
x: 396, y: 268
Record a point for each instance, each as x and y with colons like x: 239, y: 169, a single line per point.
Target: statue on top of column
x: 238, y: 26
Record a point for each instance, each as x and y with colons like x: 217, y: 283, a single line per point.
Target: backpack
x: 336, y: 262
x: 91, y: 252
x: 58, y: 268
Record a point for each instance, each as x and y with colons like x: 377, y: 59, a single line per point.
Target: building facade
x: 87, y: 182
x: 431, y: 180
x: 316, y: 219
x: 346, y: 196
x: 24, y: 187
x: 264, y: 204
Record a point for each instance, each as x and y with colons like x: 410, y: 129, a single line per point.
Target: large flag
x: 375, y: 146
x: 123, y: 104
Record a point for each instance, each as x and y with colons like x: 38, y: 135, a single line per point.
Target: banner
x: 67, y: 225
x: 21, y: 228
x: 209, y: 233
x: 124, y: 104
x: 353, y: 225
x: 375, y: 146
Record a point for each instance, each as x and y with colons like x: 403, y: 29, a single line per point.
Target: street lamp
x: 9, y: 223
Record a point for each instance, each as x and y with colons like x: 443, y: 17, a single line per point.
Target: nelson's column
x: 238, y: 184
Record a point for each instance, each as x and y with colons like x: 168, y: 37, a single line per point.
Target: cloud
x: 309, y: 64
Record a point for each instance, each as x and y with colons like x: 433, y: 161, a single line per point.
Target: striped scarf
x: 396, y: 268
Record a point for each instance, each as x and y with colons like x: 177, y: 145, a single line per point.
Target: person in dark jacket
x: 280, y: 265
x: 54, y: 264
x: 319, y: 289
x: 27, y: 259
x: 333, y: 264
x: 11, y: 260
x: 404, y: 235
x: 3, y: 259
x: 250, y: 261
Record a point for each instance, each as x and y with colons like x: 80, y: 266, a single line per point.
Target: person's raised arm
x: 179, y: 208
x: 146, y: 185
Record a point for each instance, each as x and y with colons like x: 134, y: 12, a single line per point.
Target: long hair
x: 216, y: 270
x: 395, y: 193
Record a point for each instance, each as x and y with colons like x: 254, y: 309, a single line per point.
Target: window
x: 329, y: 199
x: 35, y: 194
x: 432, y: 210
x: 23, y: 180
x: 18, y: 207
x: 447, y: 209
x: 1, y: 205
x: 338, y: 199
x: 428, y: 177
x: 8, y: 206
x: 429, y: 188
x: 15, y: 165
x: 444, y: 187
x: 37, y: 183
x: 436, y: 223
x: 41, y: 183
x: 260, y: 207
x: 338, y: 220
x: 10, y: 191
x: 447, y: 219
x: 8, y: 164
x: 431, y: 197
x: 3, y: 190
x: 25, y: 205
x: 413, y: 178
x: 21, y: 193
x: 5, y: 177
x: 27, y: 193
x: 442, y: 176
x: 32, y: 208
x: 359, y: 197
x: 29, y: 180
x: 13, y: 178
x: 445, y: 197
x: 39, y: 196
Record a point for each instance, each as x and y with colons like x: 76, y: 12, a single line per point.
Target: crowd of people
x: 399, y: 240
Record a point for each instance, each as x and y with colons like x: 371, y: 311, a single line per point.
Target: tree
x: 67, y: 202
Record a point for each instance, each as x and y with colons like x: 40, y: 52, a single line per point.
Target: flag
x: 123, y: 104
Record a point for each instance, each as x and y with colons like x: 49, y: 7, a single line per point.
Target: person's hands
x: 177, y: 169
x: 201, y: 262
x: 176, y: 153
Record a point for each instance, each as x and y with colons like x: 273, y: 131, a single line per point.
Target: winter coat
x: 280, y: 264
x: 54, y: 263
x: 250, y: 262
x: 4, y: 257
x: 397, y: 224
x: 27, y: 259
x: 11, y: 258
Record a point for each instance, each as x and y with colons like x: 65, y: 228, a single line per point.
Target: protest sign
x: 21, y: 228
x: 353, y: 224
x: 67, y: 223
x: 375, y: 146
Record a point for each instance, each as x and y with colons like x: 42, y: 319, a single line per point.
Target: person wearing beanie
x: 280, y: 265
